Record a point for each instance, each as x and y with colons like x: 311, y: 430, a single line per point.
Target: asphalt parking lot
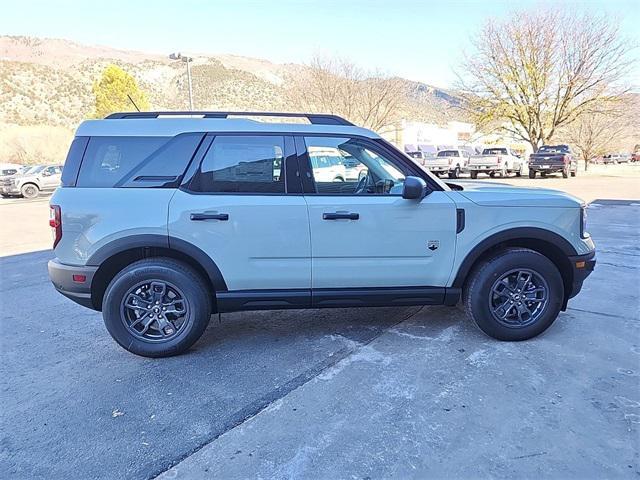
x: 360, y: 393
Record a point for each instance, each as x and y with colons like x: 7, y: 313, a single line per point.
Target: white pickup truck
x: 458, y: 160
x: 500, y: 160
x: 436, y: 164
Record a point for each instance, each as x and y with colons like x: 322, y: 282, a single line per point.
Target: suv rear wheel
x: 156, y: 307
x: 514, y: 295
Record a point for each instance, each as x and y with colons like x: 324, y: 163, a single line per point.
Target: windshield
x: 33, y: 170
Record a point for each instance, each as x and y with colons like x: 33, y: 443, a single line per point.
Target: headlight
x: 583, y: 223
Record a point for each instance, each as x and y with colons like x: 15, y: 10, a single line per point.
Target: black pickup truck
x: 553, y: 159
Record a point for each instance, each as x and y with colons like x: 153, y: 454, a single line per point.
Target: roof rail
x: 315, y: 118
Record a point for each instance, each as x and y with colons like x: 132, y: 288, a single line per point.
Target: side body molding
x: 161, y: 241
x: 530, y: 234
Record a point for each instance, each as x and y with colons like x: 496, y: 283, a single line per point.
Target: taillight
x: 566, y: 159
x: 55, y: 222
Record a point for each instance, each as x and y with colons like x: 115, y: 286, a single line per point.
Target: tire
x: 474, y: 175
x: 182, y: 332
x: 492, y: 174
x: 29, y: 190
x: 543, y: 174
x: 455, y: 173
x: 574, y: 173
x: 338, y: 179
x: 519, y: 172
x: 532, y: 174
x: 479, y: 299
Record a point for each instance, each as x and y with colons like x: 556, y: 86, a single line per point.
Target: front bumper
x: 62, y: 277
x: 9, y: 190
x: 582, y: 266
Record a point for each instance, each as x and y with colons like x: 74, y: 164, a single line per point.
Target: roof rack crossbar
x: 314, y: 118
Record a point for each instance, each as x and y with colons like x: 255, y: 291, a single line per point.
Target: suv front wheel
x: 514, y: 295
x: 29, y: 190
x: 156, y: 307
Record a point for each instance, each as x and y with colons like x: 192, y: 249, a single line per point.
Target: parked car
x: 161, y: 222
x: 8, y: 169
x: 495, y: 160
x: 458, y: 161
x: 436, y: 164
x: 616, y: 158
x: 30, y: 182
x: 553, y: 159
x: 635, y: 157
x: 327, y: 166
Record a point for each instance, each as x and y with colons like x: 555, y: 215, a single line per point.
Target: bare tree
x: 605, y: 131
x: 538, y: 71
x: 337, y: 86
x: 593, y: 135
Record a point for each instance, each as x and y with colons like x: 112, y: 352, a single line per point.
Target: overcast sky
x: 420, y: 40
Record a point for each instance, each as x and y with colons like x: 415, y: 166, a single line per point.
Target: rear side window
x: 136, y: 161
x: 72, y: 163
x: 242, y: 164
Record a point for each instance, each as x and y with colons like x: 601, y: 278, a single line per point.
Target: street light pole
x: 190, y: 87
x: 187, y: 60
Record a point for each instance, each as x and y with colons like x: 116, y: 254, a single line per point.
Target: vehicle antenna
x: 134, y: 103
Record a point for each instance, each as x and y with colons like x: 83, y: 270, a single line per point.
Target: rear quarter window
x: 136, y: 161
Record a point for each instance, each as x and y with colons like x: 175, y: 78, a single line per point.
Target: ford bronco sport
x: 161, y: 222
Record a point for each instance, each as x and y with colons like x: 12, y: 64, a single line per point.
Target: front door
x: 364, y: 234
x: 239, y: 208
x: 50, y: 178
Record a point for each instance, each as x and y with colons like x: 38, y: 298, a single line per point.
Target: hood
x: 491, y: 194
x: 22, y: 175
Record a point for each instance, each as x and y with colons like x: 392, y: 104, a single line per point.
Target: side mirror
x: 414, y: 188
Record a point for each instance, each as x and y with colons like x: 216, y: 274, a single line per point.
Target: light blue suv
x: 164, y: 218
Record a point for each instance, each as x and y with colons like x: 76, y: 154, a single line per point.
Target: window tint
x: 495, y: 151
x: 448, y: 153
x: 73, y: 161
x: 108, y: 160
x: 349, y: 166
x: 166, y: 165
x: 242, y: 164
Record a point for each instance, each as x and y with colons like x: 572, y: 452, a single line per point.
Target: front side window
x: 349, y: 166
x: 242, y: 164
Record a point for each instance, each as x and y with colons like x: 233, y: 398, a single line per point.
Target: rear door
x: 241, y: 203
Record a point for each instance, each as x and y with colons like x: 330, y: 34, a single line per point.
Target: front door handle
x: 340, y: 216
x: 209, y: 216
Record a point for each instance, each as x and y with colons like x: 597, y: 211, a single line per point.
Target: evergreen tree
x: 111, y: 92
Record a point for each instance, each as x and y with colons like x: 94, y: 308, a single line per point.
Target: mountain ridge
x: 49, y: 80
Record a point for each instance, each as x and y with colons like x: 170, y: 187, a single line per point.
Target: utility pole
x: 187, y: 60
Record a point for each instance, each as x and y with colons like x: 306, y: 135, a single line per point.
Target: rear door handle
x: 340, y: 216
x: 209, y: 216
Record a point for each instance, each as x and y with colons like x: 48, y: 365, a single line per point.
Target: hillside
x: 45, y: 90
x: 49, y: 81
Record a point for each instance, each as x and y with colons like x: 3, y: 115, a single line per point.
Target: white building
x: 429, y: 137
